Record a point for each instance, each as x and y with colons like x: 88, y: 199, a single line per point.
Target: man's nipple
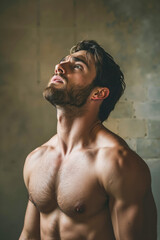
x: 79, y: 208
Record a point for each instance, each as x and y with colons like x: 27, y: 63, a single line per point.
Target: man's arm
x: 31, y: 229
x: 127, y: 181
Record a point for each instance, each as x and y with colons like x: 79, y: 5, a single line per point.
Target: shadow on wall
x: 155, y: 173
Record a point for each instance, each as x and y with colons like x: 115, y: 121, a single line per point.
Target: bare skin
x: 85, y: 182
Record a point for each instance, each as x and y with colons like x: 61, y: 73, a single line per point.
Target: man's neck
x: 75, y: 128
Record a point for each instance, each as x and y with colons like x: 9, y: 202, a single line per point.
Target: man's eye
x: 78, y: 66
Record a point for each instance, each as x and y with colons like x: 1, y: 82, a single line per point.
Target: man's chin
x: 76, y: 97
x: 54, y: 96
x: 47, y: 93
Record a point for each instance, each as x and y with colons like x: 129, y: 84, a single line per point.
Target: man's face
x: 73, y: 80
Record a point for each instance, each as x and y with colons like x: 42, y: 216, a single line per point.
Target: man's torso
x: 66, y: 191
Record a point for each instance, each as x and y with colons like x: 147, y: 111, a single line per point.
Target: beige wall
x: 34, y: 35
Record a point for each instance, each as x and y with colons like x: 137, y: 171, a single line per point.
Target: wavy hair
x: 108, y: 74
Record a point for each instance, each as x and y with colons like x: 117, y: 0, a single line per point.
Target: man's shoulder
x: 114, y: 155
x: 116, y: 151
x: 36, y: 153
x: 108, y: 139
x: 119, y: 162
x: 34, y: 157
x: 119, y: 156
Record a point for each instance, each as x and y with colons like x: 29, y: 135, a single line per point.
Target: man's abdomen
x: 59, y: 226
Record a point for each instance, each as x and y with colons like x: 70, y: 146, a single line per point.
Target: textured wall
x: 34, y: 36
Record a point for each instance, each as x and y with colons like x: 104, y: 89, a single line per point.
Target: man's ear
x: 100, y: 93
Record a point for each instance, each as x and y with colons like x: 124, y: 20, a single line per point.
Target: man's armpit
x: 31, y: 200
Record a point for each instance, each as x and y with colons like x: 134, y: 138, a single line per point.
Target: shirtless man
x: 85, y: 183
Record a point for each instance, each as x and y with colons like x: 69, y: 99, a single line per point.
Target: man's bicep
x: 31, y: 227
x: 128, y: 220
x: 126, y: 179
x: 132, y: 207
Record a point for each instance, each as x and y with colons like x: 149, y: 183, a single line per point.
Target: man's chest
x: 69, y: 185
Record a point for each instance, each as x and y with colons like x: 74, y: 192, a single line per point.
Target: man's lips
x: 57, y: 79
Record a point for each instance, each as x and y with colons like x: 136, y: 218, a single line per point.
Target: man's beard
x: 75, y: 96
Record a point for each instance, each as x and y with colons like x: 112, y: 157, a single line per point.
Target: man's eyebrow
x: 76, y: 59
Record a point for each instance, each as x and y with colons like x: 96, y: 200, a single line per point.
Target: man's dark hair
x: 108, y: 75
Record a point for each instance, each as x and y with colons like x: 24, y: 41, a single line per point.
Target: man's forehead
x: 83, y: 55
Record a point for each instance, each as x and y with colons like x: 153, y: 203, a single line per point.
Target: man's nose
x: 59, y: 68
